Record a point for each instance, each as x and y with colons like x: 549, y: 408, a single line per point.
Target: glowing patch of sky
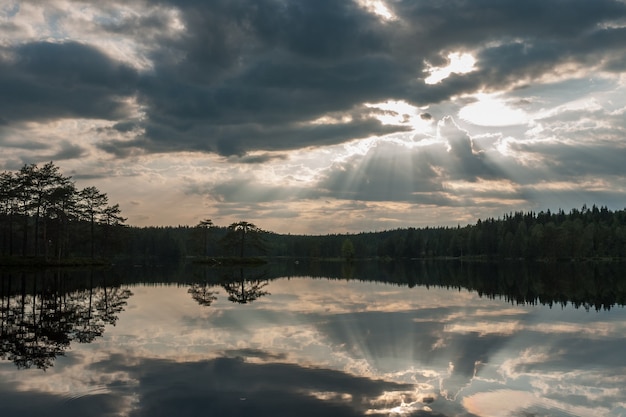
x: 491, y: 110
x: 401, y: 113
x: 460, y: 63
x: 377, y: 7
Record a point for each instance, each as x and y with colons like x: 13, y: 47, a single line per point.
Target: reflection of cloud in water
x: 384, y: 355
x: 233, y: 386
x: 509, y: 403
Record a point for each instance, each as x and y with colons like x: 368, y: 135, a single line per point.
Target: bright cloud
x: 459, y: 63
x: 492, y: 111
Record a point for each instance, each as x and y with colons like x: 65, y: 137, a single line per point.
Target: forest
x: 43, y: 216
x: 586, y: 233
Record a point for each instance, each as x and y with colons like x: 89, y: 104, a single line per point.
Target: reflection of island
x: 202, y: 294
x: 245, y: 287
x: 40, y: 316
x: 241, y: 285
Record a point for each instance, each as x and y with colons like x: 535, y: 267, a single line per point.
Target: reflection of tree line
x: 40, y: 314
x: 590, y: 285
x: 597, y: 285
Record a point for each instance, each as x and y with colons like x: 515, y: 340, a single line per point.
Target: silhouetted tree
x: 205, y: 227
x: 92, y: 203
x: 111, y: 221
x: 40, y: 208
x: 241, y: 236
x: 8, y: 209
x: 347, y: 250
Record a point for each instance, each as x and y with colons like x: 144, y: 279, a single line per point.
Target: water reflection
x: 242, y: 288
x: 588, y: 285
x: 243, y: 285
x: 41, y: 313
x: 378, y: 339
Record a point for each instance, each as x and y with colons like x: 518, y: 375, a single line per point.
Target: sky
x: 320, y: 116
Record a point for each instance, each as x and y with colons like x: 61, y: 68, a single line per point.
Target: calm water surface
x: 195, y: 343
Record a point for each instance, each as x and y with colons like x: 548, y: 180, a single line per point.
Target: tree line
x: 586, y: 233
x: 44, y: 214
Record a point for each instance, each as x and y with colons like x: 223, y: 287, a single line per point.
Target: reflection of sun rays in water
x: 380, y: 347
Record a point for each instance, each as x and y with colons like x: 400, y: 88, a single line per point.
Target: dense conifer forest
x: 44, y: 216
x: 586, y: 233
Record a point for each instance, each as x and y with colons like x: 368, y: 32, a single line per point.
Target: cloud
x: 46, y: 80
x: 235, y: 77
x: 252, y: 77
x: 258, y: 158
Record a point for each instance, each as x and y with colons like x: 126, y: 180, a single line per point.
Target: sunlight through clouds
x: 379, y: 8
x: 459, y: 63
x: 393, y: 112
x: 491, y: 110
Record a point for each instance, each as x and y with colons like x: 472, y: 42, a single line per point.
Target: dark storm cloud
x: 68, y: 151
x: 563, y: 161
x: 250, y: 75
x: 468, y: 24
x: 237, y: 138
x: 44, y: 80
x: 257, y: 159
x: 463, y: 160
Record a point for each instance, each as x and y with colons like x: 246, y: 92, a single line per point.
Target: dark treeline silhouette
x: 586, y: 233
x: 43, y: 214
x: 43, y: 312
x: 160, y: 245
x: 580, y: 234
x: 589, y: 285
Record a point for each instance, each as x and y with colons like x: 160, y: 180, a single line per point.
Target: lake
x: 313, y: 339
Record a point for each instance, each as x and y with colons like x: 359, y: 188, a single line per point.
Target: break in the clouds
x: 408, y: 110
